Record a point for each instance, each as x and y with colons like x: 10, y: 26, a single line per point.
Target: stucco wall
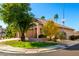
x: 68, y: 32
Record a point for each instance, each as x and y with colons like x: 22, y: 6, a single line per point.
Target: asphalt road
x: 70, y: 51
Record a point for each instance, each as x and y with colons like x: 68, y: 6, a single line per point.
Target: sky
x: 71, y: 13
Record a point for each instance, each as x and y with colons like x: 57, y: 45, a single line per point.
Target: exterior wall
x: 39, y: 29
x: 33, y: 32
x: 76, y: 33
x: 68, y: 32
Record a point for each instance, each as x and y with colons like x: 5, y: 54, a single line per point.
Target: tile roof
x: 43, y: 21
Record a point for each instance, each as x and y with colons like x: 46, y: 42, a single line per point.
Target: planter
x: 38, y: 39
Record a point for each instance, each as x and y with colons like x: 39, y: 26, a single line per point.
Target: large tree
x: 18, y: 14
x: 50, y: 28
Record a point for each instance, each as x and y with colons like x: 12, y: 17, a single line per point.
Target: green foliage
x: 42, y: 17
x: 13, y: 12
x: 61, y: 35
x: 50, y: 28
x: 56, y: 17
x: 19, y: 14
x: 10, y: 31
x: 28, y: 44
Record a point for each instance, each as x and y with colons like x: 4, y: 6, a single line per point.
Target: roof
x: 66, y: 27
x: 43, y: 21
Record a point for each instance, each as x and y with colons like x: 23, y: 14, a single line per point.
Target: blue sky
x: 71, y: 12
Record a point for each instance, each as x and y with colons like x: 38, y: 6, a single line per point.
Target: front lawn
x: 16, y: 43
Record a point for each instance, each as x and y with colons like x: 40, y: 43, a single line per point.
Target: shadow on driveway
x: 74, y: 47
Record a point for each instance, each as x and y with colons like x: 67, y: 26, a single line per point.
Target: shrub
x: 42, y: 36
x: 61, y: 35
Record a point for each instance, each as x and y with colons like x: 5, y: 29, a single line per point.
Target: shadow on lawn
x: 42, y: 44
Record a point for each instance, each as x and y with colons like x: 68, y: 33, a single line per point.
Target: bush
x: 61, y: 35
x: 42, y: 36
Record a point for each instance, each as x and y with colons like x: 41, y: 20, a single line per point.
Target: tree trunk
x: 23, y: 37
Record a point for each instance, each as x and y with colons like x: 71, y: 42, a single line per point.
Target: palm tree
x: 43, y: 17
x: 56, y: 17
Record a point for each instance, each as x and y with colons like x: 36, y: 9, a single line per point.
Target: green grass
x: 21, y: 44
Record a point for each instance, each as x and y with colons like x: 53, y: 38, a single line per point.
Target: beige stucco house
x: 32, y: 32
x: 76, y: 33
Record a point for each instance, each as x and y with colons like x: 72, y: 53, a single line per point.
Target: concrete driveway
x: 70, y: 51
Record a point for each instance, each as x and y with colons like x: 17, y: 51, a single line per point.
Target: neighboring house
x: 2, y: 32
x: 32, y: 32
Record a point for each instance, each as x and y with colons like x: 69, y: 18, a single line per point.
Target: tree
x: 50, y: 28
x: 56, y: 17
x: 10, y: 31
x: 61, y: 35
x: 19, y: 14
x: 42, y: 17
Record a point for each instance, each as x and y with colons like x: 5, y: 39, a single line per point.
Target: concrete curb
x: 27, y: 51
